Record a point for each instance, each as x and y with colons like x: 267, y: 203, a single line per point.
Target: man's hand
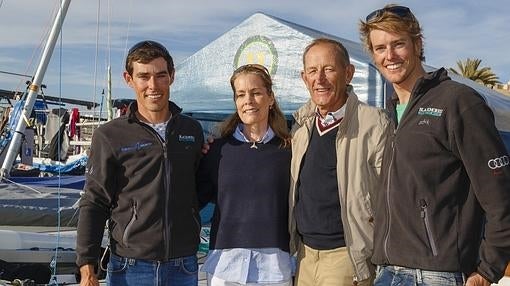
x: 476, y: 279
x: 88, y: 278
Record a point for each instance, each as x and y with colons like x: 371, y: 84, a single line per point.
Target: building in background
x: 503, y: 88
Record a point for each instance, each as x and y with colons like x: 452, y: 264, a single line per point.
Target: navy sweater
x: 318, y: 204
x: 250, y: 189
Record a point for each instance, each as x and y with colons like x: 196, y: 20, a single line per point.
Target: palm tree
x: 471, y: 69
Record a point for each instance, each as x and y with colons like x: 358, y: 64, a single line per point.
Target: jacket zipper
x: 167, y: 222
x: 411, y: 101
x: 425, y: 218
x: 388, y: 213
x: 134, y: 217
x: 166, y: 181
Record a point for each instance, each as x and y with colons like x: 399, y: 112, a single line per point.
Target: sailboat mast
x: 109, y: 107
x: 34, y: 89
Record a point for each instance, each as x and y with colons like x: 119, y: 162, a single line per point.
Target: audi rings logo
x: 498, y: 162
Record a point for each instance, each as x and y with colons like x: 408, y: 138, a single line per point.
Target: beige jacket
x: 360, y: 141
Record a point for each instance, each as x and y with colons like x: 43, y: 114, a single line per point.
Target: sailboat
x: 26, y: 249
x: 34, y: 88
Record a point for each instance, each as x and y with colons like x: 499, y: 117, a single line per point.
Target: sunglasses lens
x: 372, y: 15
x: 400, y: 11
x: 252, y: 67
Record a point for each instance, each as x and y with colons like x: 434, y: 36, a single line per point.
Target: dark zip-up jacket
x: 445, y: 173
x: 145, y: 186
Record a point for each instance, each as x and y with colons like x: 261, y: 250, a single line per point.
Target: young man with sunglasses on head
x: 443, y: 214
x: 141, y: 177
x: 337, y: 150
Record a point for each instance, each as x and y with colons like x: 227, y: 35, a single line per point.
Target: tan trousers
x: 325, y: 268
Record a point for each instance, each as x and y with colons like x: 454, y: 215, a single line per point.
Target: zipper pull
x: 135, y: 214
x: 423, y: 207
x: 393, y: 138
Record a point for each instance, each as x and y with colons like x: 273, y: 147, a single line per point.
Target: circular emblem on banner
x: 257, y: 50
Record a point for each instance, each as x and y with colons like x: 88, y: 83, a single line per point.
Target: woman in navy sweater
x: 246, y: 174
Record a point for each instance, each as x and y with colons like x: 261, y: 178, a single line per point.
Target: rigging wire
x: 95, y: 62
x: 130, y: 13
x: 21, y: 185
x: 108, y: 78
x: 107, y: 64
x: 53, y: 262
x: 126, y: 42
x: 108, y: 33
x: 16, y: 74
x: 39, y: 47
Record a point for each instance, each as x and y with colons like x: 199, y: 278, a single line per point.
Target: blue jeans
x: 182, y: 271
x: 397, y: 275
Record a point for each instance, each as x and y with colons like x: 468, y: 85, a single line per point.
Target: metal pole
x: 33, y: 90
x: 109, y: 107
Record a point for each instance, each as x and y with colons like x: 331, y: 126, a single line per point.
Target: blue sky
x: 454, y: 30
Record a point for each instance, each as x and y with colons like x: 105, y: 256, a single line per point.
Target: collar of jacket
x: 423, y: 84
x: 307, y: 112
x: 133, y: 107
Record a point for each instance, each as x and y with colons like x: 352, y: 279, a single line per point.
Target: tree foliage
x: 471, y: 69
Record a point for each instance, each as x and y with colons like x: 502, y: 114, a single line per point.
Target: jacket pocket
x: 428, y: 227
x: 134, y: 217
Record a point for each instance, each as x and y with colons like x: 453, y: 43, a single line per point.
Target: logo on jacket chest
x: 428, y: 115
x: 186, y: 138
x: 136, y: 146
x: 430, y: 111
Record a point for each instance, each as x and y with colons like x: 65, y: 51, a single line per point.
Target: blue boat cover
x: 68, y: 182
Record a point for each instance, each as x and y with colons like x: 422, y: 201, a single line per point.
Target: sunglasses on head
x: 147, y: 44
x: 400, y: 11
x: 252, y: 67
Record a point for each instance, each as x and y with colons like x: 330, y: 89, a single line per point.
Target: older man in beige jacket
x: 337, y: 149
